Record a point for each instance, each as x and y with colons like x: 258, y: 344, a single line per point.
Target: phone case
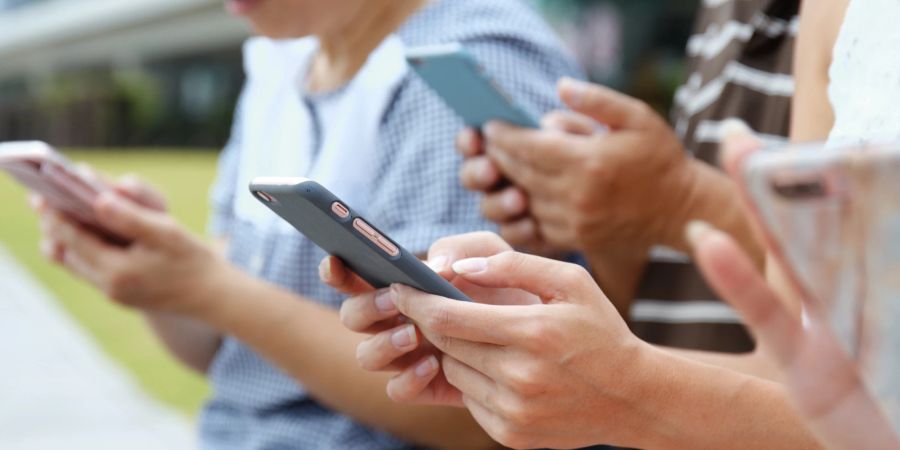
x: 43, y: 170
x: 832, y: 218
x: 458, y: 78
x: 336, y: 228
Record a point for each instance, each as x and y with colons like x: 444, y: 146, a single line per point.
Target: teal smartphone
x: 463, y: 83
x: 336, y: 228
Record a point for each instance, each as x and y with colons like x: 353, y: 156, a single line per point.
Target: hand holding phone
x: 832, y: 219
x: 44, y: 171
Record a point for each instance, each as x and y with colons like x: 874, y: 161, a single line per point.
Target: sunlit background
x: 148, y: 87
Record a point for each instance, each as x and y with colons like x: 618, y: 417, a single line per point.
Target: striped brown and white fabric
x: 739, y: 66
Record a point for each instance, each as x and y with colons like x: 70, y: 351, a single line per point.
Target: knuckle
x: 509, y: 436
x: 525, y: 381
x: 440, y: 320
x: 122, y: 283
x: 511, y: 262
x: 572, y: 274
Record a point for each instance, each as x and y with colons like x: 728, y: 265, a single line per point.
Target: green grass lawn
x: 184, y: 177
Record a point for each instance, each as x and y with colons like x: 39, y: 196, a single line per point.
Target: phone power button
x: 340, y: 210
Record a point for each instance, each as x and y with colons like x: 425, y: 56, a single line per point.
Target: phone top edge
x: 14, y: 149
x: 426, y: 51
x: 277, y: 181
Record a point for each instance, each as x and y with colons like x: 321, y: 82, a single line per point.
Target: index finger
x: 468, y: 321
x: 548, y: 151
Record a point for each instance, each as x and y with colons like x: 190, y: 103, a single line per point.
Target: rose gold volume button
x: 388, y: 246
x: 365, y: 228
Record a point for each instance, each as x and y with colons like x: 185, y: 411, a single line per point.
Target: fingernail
x: 696, y: 230
x: 469, y: 138
x: 325, y: 270
x: 470, y: 266
x: 437, y: 263
x: 427, y: 367
x: 572, y: 90
x: 512, y: 201
x: 384, y: 300
x: 404, y: 337
x: 733, y: 128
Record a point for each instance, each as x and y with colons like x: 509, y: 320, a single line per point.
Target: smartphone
x: 458, y: 78
x: 335, y: 227
x: 45, y: 171
x: 832, y: 219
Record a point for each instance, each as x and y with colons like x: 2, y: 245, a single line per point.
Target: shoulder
x: 507, y: 24
x: 508, y: 37
x: 458, y: 20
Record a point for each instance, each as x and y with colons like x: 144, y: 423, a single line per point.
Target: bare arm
x: 191, y: 342
x: 309, y: 342
x: 812, y: 115
x: 701, y: 406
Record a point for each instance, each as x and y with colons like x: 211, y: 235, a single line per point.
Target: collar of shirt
x: 278, y: 128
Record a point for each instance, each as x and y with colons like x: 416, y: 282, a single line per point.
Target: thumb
x: 553, y: 281
x: 605, y: 105
x: 130, y: 220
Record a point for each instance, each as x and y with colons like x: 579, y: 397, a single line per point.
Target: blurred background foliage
x: 149, y: 87
x: 179, y: 98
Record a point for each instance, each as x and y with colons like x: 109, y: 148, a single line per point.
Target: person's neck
x: 343, y: 53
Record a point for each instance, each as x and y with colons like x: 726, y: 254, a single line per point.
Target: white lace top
x: 865, y: 74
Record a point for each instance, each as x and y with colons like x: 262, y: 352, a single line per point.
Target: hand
x: 822, y: 381
x: 508, y: 205
x: 617, y: 190
x: 541, y: 374
x: 164, y: 268
x: 396, y: 345
x: 820, y: 378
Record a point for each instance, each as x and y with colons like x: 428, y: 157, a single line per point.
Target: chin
x: 279, y: 33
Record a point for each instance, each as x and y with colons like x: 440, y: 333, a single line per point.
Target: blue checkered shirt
x: 417, y: 199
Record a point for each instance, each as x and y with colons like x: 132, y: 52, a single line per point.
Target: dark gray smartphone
x: 332, y: 225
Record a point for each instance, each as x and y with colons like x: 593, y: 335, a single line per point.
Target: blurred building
x: 167, y: 72
x: 118, y: 72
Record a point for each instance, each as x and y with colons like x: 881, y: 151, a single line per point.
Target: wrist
x: 637, y: 384
x: 653, y: 422
x: 618, y: 273
x: 213, y: 289
x: 685, y: 189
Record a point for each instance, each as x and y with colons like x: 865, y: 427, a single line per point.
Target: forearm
x: 686, y: 404
x: 756, y: 363
x: 308, y: 341
x: 618, y: 274
x: 190, y: 341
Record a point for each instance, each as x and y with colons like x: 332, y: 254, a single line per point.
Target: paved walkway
x: 58, y: 391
